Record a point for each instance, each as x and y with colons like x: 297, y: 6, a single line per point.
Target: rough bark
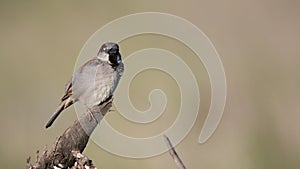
x: 74, y: 138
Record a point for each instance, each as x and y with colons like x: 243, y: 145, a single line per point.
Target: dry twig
x: 174, y: 154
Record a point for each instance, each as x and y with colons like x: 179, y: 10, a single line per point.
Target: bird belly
x: 100, y: 91
x: 95, y: 82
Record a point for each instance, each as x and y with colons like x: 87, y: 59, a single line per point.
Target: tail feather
x: 60, y: 108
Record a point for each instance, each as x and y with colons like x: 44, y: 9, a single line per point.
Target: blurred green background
x: 258, y: 42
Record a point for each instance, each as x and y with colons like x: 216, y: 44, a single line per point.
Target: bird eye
x: 113, y: 51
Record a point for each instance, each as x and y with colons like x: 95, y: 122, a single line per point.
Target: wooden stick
x: 174, y: 154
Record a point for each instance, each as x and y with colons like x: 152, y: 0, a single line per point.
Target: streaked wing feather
x: 68, y: 90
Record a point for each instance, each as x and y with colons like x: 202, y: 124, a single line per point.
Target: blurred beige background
x: 258, y: 42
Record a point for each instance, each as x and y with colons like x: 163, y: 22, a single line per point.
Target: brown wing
x: 68, y: 90
x: 66, y: 101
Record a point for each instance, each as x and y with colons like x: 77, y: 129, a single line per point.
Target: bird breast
x: 95, y: 82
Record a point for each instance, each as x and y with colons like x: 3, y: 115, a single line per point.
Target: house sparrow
x: 95, y: 81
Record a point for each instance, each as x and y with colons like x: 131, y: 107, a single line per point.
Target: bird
x: 94, y: 82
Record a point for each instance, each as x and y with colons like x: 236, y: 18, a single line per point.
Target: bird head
x: 109, y: 52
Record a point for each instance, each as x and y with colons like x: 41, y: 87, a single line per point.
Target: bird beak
x: 119, y: 58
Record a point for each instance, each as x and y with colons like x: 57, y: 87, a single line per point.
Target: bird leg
x: 92, y: 115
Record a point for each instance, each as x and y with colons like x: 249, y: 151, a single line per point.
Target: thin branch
x: 174, y: 154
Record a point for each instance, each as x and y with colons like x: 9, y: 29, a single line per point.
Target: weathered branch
x: 82, y: 161
x: 74, y: 138
x: 174, y: 154
x: 66, y: 150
